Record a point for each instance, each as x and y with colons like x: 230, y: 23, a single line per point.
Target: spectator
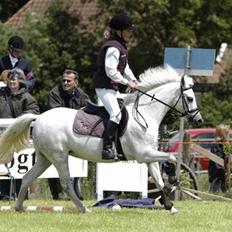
x: 3, y: 78
x: 69, y: 95
x: 216, y: 172
x: 15, y: 101
x: 15, y: 59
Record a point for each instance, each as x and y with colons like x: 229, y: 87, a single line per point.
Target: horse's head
x: 187, y: 101
x: 158, y: 85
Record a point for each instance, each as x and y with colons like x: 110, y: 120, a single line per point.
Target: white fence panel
x: 121, y: 176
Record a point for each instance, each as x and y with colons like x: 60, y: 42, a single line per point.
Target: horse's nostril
x: 200, y: 121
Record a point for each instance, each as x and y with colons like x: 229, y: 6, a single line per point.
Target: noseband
x: 187, y: 112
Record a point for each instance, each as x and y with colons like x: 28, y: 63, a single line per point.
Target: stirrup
x: 118, y: 157
x: 108, y: 154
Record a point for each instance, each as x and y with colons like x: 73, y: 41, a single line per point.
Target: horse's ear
x: 183, y: 80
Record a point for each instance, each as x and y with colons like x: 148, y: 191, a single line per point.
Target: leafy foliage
x: 54, y: 44
x: 9, y: 7
x: 60, y: 41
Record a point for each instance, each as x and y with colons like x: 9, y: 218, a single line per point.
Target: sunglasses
x: 68, y: 81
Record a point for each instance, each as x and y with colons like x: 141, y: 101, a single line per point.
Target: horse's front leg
x: 155, y: 172
x: 150, y: 154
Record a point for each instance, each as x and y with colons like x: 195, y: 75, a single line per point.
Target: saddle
x: 92, y: 119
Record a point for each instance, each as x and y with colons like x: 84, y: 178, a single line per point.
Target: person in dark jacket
x: 15, y: 100
x: 216, y: 172
x: 15, y: 59
x: 70, y: 95
x: 113, y: 70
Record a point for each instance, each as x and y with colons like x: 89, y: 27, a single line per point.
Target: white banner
x: 25, y: 159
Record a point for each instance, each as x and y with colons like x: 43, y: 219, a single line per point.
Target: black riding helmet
x: 16, y: 43
x: 121, y: 22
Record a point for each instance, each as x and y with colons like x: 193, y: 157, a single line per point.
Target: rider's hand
x: 132, y: 84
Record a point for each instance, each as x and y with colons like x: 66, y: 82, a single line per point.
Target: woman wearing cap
x: 113, y: 70
x: 15, y: 101
x: 15, y: 59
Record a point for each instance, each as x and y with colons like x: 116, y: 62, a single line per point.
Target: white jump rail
x: 25, y: 159
x: 128, y: 176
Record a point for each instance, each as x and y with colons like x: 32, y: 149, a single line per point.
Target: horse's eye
x: 190, y: 99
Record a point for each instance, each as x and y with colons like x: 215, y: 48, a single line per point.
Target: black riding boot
x: 108, y: 152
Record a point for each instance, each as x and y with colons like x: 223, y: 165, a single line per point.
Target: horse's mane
x: 153, y: 77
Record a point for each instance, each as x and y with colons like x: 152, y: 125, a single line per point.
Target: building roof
x: 83, y: 10
x: 33, y: 6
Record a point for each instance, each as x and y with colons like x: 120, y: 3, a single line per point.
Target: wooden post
x: 227, y: 161
x: 180, y: 148
x: 186, y: 140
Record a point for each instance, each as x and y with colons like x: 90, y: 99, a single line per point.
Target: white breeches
x: 108, y: 98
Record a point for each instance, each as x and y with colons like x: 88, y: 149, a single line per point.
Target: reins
x: 181, y: 114
x: 136, y: 113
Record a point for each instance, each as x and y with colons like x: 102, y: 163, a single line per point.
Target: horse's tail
x: 15, y: 137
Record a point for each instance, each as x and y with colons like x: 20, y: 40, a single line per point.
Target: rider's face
x: 69, y: 82
x: 15, y: 52
x: 127, y: 34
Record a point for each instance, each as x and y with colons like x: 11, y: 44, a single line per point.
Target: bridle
x: 187, y: 112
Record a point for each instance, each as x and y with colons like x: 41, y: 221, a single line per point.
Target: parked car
x: 202, y: 136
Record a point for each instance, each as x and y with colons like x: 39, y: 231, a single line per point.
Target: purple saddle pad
x: 88, y: 124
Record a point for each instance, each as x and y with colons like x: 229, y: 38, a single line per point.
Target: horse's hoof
x: 87, y: 210
x: 19, y: 209
x: 172, y: 158
x: 84, y: 210
x: 173, y: 210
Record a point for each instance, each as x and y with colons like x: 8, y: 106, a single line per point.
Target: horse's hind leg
x: 40, y: 166
x: 61, y: 164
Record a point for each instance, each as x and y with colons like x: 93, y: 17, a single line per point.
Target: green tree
x: 56, y: 43
x: 216, y: 103
x: 59, y: 41
x: 9, y: 7
x: 170, y: 23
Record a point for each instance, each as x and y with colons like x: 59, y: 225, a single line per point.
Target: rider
x: 113, y: 70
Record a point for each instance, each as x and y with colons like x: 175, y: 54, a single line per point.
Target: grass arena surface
x: 193, y: 216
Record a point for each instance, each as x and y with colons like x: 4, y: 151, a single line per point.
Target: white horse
x: 54, y: 139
